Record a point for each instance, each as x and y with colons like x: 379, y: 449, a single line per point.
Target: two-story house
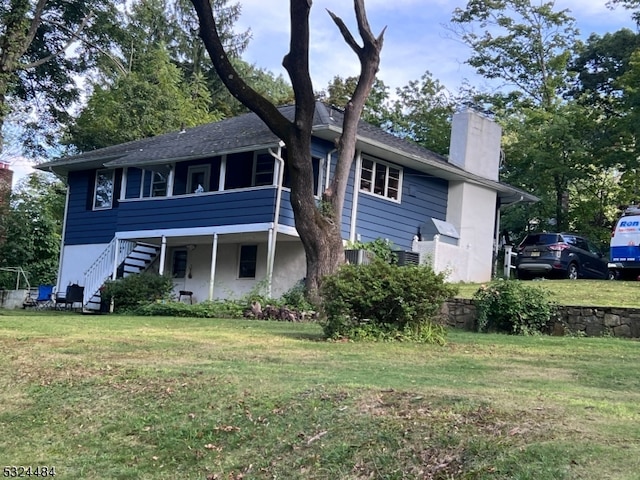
x: 209, y: 206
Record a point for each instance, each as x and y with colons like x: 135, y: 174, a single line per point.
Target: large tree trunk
x: 319, y: 228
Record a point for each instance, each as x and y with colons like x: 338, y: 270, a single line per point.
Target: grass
x: 603, y: 293
x: 123, y: 397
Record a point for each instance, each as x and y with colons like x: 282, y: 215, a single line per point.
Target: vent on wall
x: 404, y: 257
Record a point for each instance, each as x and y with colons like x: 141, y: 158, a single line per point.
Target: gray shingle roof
x: 248, y: 132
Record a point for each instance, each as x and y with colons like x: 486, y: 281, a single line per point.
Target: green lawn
x: 117, y: 397
x: 603, y: 293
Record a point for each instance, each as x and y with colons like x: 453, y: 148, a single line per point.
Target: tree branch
x: 262, y: 107
x: 72, y: 37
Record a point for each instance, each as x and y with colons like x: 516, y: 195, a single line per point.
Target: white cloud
x: 416, y: 39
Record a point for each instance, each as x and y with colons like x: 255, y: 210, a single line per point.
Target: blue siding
x: 229, y: 208
x: 83, y: 224
x: 134, y: 177
x: 286, y: 210
x: 423, y: 197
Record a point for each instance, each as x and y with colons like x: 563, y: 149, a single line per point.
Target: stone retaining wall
x: 590, y: 321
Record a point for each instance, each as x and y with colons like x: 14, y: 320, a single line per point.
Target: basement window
x: 248, y: 260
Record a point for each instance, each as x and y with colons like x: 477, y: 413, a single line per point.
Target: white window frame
x: 206, y: 170
x: 372, y: 181
x: 153, y: 183
x: 105, y: 173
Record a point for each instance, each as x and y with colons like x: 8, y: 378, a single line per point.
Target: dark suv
x: 564, y: 255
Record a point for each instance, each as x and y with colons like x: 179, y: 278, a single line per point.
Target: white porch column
x: 271, y: 253
x: 163, y: 255
x: 214, y: 257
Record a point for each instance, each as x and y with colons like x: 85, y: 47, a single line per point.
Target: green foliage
x: 32, y: 229
x: 511, y: 306
x: 215, y: 309
x: 131, y: 292
x: 296, y: 298
x: 383, y: 301
x: 380, y: 247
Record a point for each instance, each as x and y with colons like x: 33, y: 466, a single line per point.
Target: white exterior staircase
x: 121, y: 256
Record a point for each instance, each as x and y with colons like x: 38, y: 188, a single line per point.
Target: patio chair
x: 43, y: 300
x: 73, y: 294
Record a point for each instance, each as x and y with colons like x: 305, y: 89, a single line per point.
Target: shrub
x: 383, y: 301
x: 296, y: 298
x: 380, y: 247
x: 130, y: 292
x: 511, y: 306
x: 214, y: 309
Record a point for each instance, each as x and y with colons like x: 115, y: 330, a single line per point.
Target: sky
x: 416, y: 39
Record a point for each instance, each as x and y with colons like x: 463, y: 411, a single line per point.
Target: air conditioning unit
x: 404, y: 257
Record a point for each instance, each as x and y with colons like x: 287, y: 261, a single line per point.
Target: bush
x: 511, y: 306
x: 130, y: 292
x: 215, y: 309
x: 383, y: 301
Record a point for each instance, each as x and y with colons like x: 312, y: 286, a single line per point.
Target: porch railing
x: 103, y: 267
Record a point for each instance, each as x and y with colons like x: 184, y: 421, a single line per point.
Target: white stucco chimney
x: 471, y: 207
x: 475, y: 144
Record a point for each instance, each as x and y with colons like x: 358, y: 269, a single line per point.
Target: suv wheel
x: 572, y: 271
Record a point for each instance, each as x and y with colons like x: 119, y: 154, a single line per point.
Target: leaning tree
x: 317, y: 225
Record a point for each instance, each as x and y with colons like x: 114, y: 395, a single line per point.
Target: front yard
x: 153, y: 398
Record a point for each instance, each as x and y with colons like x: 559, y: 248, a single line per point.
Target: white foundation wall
x: 289, y: 267
x: 451, y: 260
x: 472, y: 210
x: 76, y: 259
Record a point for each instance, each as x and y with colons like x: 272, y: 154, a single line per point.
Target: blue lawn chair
x: 45, y: 297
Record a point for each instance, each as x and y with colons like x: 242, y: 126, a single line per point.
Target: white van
x: 624, y: 253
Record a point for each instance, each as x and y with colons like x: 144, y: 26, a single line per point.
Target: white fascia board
x: 444, y: 170
x: 194, y: 232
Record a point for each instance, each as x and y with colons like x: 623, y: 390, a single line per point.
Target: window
x: 263, y: 170
x: 103, y: 193
x: 380, y: 179
x: 248, y: 258
x: 179, y: 263
x: 198, y: 178
x: 158, y: 184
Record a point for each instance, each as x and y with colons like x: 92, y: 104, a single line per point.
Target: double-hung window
x: 103, y: 192
x: 380, y: 179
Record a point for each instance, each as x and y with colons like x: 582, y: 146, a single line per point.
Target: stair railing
x: 102, y: 268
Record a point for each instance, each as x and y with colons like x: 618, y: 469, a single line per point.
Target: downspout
x: 328, y: 168
x: 163, y: 255
x: 64, y: 231
x: 273, y: 233
x: 356, y: 194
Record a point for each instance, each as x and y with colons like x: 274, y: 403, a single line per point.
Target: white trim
x: 170, y: 179
x: 194, y: 232
x: 214, y: 259
x: 64, y: 231
x: 206, y: 170
x: 187, y: 195
x: 223, y: 173
x: 388, y: 165
x: 123, y: 185
x: 141, y: 194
